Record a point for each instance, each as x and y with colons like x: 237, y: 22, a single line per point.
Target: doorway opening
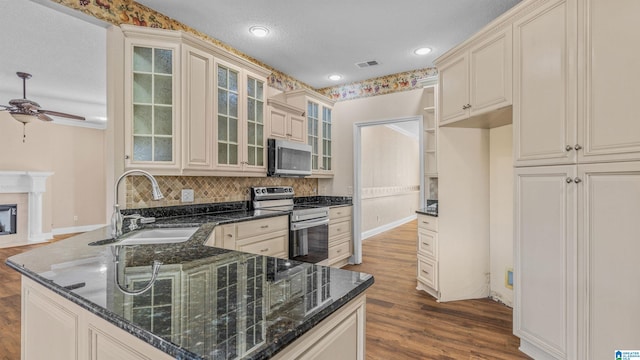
x: 412, y: 127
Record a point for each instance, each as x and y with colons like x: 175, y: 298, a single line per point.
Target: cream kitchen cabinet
x: 571, y: 66
x: 188, y: 107
x: 240, y: 116
x: 319, y: 113
x: 545, y: 261
x: 79, y: 334
x: 428, y: 255
x: 151, y: 99
x: 286, y: 122
x: 576, y: 243
x: 268, y: 236
x: 340, y: 235
x: 476, y: 79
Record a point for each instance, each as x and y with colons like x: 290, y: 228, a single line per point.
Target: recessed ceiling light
x: 422, y: 51
x: 335, y: 77
x: 259, y: 31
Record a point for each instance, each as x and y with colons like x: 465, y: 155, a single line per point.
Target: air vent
x: 365, y: 64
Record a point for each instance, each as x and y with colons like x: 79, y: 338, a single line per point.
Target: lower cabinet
x: 576, y: 250
x: 54, y: 328
x: 340, y: 236
x: 428, y: 255
x: 341, y: 336
x: 269, y: 236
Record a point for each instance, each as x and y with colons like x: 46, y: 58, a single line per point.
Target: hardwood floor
x: 404, y: 323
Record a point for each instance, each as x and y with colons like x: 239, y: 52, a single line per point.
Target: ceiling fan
x: 25, y: 110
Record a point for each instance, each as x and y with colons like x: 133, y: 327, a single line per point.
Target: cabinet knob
x: 577, y: 180
x: 568, y: 147
x: 264, y: 226
x: 569, y: 180
x: 577, y: 147
x: 126, y: 157
x: 264, y: 250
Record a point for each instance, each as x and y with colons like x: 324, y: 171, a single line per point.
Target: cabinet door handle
x: 264, y: 226
x: 230, y: 235
x: 264, y: 250
x: 569, y: 180
x: 425, y: 244
x: 577, y: 147
x: 425, y: 271
x: 568, y: 148
x: 577, y: 180
x: 425, y: 222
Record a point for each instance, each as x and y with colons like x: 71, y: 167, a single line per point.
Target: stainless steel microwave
x: 288, y: 159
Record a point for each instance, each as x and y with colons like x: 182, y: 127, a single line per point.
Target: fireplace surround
x: 33, y: 183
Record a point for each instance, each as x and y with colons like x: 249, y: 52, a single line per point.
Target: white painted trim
x: 357, y: 176
x: 386, y: 227
x: 33, y: 183
x: 76, y: 229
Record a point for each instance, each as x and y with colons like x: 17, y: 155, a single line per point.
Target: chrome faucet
x: 116, y: 217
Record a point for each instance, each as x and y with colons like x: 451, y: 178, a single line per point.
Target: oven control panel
x: 271, y: 192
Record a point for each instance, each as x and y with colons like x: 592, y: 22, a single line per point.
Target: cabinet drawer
x: 339, y: 251
x: 428, y: 222
x: 272, y: 246
x: 428, y: 243
x: 339, y: 228
x: 428, y: 272
x: 339, y: 212
x: 263, y: 226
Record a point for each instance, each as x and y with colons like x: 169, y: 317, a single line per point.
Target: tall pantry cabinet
x: 577, y: 178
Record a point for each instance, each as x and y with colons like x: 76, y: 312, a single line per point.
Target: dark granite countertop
x: 207, y: 303
x: 431, y: 209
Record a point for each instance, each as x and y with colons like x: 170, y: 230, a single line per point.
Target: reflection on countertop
x: 206, y: 302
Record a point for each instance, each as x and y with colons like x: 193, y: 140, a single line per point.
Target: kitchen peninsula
x: 205, y: 303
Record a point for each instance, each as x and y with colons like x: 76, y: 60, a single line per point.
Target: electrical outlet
x: 187, y: 195
x: 75, y: 217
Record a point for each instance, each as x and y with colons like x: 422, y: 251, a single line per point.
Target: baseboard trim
x: 76, y: 229
x: 386, y: 227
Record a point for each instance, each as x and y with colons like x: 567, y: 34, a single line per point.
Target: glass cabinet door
x: 255, y: 122
x: 227, y: 116
x: 152, y: 104
x: 326, y: 139
x: 312, y: 132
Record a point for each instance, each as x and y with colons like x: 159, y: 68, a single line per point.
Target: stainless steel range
x: 308, y: 223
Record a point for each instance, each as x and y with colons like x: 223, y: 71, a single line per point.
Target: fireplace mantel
x: 34, y: 183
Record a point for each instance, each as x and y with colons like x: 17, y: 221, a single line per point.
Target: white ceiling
x: 310, y: 40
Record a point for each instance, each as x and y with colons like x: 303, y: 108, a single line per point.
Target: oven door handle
x: 308, y: 224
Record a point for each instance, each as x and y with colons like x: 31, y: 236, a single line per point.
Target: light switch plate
x: 187, y: 195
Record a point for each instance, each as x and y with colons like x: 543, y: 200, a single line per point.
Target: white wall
x: 346, y: 114
x: 67, y: 58
x: 390, y: 176
x: 501, y: 211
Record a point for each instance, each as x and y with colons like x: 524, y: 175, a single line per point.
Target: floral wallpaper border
x: 379, y: 86
x: 118, y: 12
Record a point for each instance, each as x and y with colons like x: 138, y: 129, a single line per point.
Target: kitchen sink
x: 157, y: 236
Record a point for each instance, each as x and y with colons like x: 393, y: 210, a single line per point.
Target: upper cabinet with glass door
x: 151, y: 102
x: 188, y: 107
x: 240, y: 116
x: 319, y: 109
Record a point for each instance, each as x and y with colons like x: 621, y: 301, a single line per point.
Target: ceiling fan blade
x: 56, y: 113
x: 43, y: 117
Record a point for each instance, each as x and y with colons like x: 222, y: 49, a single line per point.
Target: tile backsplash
x: 207, y: 189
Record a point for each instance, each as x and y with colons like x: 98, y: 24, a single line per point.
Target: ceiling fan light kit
x: 25, y: 110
